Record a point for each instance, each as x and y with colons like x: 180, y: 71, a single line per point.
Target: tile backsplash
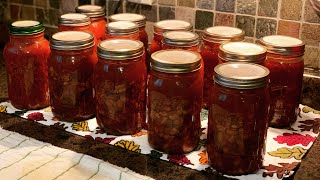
x: 258, y: 18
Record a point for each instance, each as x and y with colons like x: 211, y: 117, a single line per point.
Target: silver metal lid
x: 285, y: 45
x: 122, y: 28
x: 180, y: 38
x: 241, y: 75
x: 139, y: 19
x: 242, y: 52
x: 175, y: 61
x: 171, y: 25
x: 221, y: 34
x: 120, y: 49
x: 74, y: 19
x: 71, y: 40
x: 91, y: 10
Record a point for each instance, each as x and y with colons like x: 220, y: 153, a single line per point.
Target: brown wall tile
x: 311, y: 57
x: 222, y: 19
x: 186, y: 14
x: 149, y: 30
x: 265, y: 27
x: 15, y: 11
x: 205, y: 4
x: 42, y: 15
x: 133, y: 7
x: 167, y: 2
x: 166, y: 13
x: 225, y: 5
x: 151, y: 12
x: 42, y: 3
x: 311, y: 34
x: 187, y: 3
x: 268, y: 8
x: 246, y: 6
x: 27, y: 13
x: 288, y: 28
x: 69, y: 6
x: 309, y: 14
x: 291, y: 9
x: 246, y: 23
x: 204, y: 19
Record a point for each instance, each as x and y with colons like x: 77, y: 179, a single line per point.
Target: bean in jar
x: 180, y: 40
x: 242, y: 52
x: 238, y: 118
x: 26, y: 56
x: 212, y: 38
x: 71, y: 65
x: 174, y: 100
x: 120, y: 86
x: 97, y: 18
x: 139, y: 19
x: 285, y: 62
x: 122, y: 30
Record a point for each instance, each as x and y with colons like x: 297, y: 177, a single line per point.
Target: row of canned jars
x: 113, y: 86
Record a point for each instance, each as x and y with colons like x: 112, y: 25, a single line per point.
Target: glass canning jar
x: 71, y: 64
x: 139, y: 19
x: 97, y: 18
x: 174, y: 100
x: 180, y: 40
x: 122, y: 30
x: 285, y: 62
x: 242, y: 52
x: 74, y: 22
x: 238, y: 118
x: 120, y: 86
x: 212, y: 38
x: 26, y: 56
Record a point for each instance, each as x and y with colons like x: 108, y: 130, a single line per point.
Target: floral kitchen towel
x: 284, y: 151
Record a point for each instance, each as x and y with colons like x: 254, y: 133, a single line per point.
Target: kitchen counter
x: 143, y: 164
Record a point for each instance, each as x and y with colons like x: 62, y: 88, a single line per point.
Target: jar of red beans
x: 122, y: 30
x: 139, y: 19
x: 163, y: 26
x: 212, y: 38
x: 97, y: 18
x: 74, y: 22
x: 71, y: 64
x: 180, y: 40
x: 174, y: 101
x: 238, y: 118
x: 26, y: 62
x: 120, y: 86
x: 285, y: 62
x: 242, y: 52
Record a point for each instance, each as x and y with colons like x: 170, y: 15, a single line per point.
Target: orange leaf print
x: 203, y: 157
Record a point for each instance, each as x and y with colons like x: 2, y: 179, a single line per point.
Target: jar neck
x: 25, y: 37
x: 99, y: 18
x: 211, y: 44
x: 72, y: 52
x: 284, y: 56
x: 73, y: 28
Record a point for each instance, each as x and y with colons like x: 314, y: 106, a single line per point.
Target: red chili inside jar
x: 180, y: 40
x: 26, y: 63
x: 139, y: 19
x: 174, y: 101
x: 285, y: 62
x: 120, y: 86
x: 122, y: 30
x: 212, y: 38
x: 238, y: 118
x: 242, y: 52
x: 97, y: 18
x: 71, y: 65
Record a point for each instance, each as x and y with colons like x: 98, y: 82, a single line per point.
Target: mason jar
x: 71, y: 65
x: 180, y: 40
x: 285, y: 62
x: 122, y: 30
x: 174, y: 101
x: 120, y: 86
x: 74, y: 22
x: 26, y: 56
x: 238, y: 118
x: 212, y: 38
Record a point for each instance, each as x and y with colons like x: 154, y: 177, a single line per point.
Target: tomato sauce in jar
x: 120, y: 86
x: 180, y: 40
x: 26, y: 56
x: 212, y: 38
x: 71, y: 65
x: 139, y: 19
x: 122, y: 30
x: 238, y: 118
x: 174, y: 101
x: 242, y: 52
x: 285, y: 62
x: 97, y: 18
